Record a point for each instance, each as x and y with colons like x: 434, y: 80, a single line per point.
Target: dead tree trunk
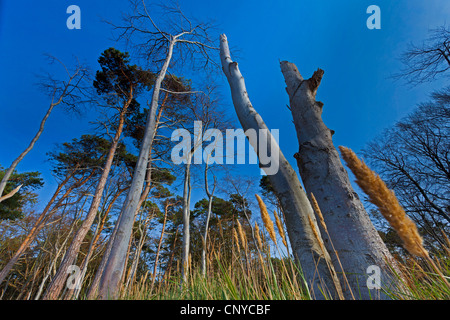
x: 295, y: 203
x: 186, y: 219
x: 352, y: 233
x: 210, y: 195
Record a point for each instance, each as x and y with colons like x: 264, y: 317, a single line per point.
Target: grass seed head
x: 386, y: 201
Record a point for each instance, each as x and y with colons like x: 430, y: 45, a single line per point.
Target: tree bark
x: 186, y: 219
x: 210, y: 195
x: 93, y: 290
x: 295, y: 203
x: 352, y: 233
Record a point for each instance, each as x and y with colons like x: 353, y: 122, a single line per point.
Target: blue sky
x: 360, y: 99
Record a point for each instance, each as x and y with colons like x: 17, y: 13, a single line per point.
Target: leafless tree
x: 428, y: 61
x: 413, y: 158
x: 61, y: 92
x: 304, y: 233
x: 183, y: 39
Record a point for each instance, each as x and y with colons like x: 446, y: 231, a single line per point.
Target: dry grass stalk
x: 316, y: 234
x: 266, y: 219
x: 258, y: 237
x: 236, y: 238
x: 387, y: 203
x: 280, y: 228
x: 316, y: 208
x: 322, y: 248
x: 242, y: 235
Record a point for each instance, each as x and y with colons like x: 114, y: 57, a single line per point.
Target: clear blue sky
x: 360, y: 101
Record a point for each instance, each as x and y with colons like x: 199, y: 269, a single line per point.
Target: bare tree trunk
x: 23, y: 154
x: 295, y: 203
x: 186, y: 219
x: 353, y: 235
x: 116, y: 262
x: 210, y: 195
x: 55, y: 287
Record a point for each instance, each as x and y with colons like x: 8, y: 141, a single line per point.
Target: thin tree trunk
x: 353, y: 235
x: 55, y: 287
x: 172, y: 255
x: 186, y: 219
x: 208, y: 217
x: 166, y: 209
x: 64, y: 92
x: 295, y: 203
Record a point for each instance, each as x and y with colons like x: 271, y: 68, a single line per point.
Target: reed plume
x: 280, y: 228
x: 316, y: 208
x: 242, y: 235
x: 266, y: 218
x: 235, y: 236
x: 316, y: 234
x: 386, y: 201
x: 258, y: 237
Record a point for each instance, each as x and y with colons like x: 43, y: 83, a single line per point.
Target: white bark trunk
x: 109, y: 284
x: 186, y: 219
x: 208, y: 217
x: 287, y: 186
x: 352, y: 233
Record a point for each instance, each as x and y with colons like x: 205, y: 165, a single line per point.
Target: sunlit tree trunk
x: 352, y: 233
x: 186, y: 219
x: 210, y: 195
x: 52, y: 266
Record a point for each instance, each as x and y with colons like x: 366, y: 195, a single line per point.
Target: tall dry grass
x: 388, y: 205
x: 257, y: 275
